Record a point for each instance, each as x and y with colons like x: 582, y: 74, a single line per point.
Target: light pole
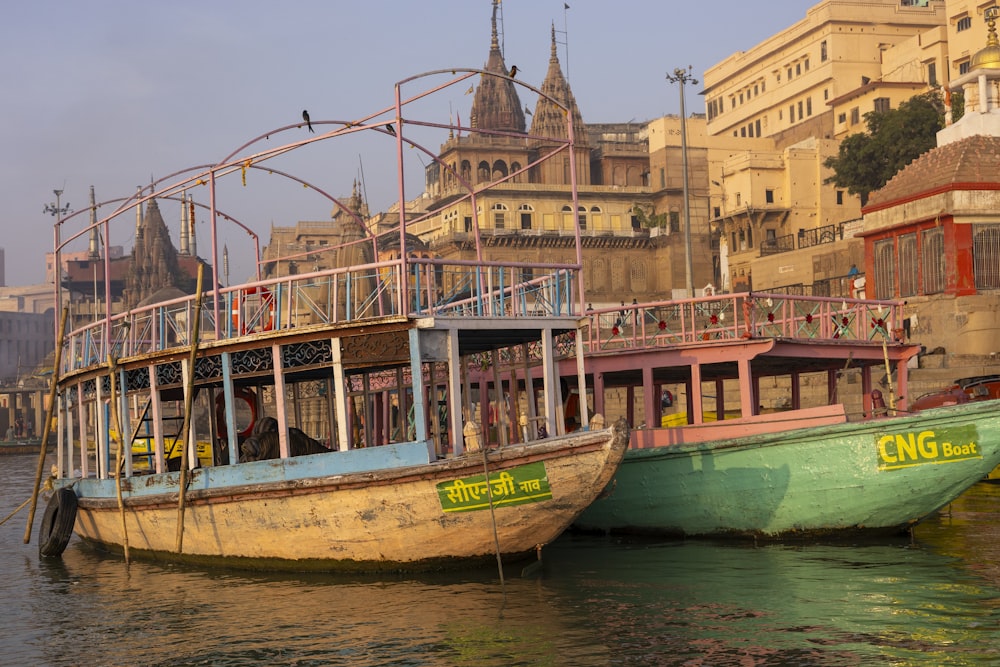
x: 683, y: 76
x: 57, y: 211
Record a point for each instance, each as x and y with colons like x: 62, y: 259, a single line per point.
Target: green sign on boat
x: 517, y: 486
x: 906, y: 449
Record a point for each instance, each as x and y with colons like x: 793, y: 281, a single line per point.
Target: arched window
x: 514, y: 167
x: 499, y: 169
x: 526, y: 214
x: 483, y: 172
x: 567, y: 217
x: 581, y: 217
x: 466, y: 170
x: 596, y: 217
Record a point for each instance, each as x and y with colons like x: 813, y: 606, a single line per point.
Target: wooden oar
x: 188, y: 401
x: 48, y: 423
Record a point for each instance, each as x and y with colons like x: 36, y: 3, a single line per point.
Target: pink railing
x: 741, y: 315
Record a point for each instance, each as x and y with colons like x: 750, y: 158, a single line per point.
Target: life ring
x: 57, y: 523
x: 241, y: 393
x: 266, y: 305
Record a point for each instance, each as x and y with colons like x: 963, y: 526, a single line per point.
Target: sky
x: 116, y: 93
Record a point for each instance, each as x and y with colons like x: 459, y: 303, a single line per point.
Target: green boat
x: 816, y: 437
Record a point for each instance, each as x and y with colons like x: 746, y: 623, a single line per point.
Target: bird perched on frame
x: 305, y: 117
x: 390, y: 129
x: 513, y: 71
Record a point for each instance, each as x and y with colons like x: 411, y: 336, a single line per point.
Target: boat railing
x: 336, y: 296
x: 741, y: 316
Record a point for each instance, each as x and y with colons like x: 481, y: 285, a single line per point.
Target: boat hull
x: 414, y: 517
x: 876, y: 476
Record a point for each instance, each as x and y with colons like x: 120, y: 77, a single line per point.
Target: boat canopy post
x: 229, y: 408
x: 156, y: 410
x: 124, y: 421
x: 340, y: 397
x: 455, y: 394
x: 581, y: 378
x: 550, y: 384
x: 279, y: 400
x: 695, y: 409
x: 101, y: 435
x: 419, y: 389
x: 648, y: 397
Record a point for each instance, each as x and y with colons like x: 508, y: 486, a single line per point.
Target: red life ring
x: 266, y: 306
x: 241, y: 393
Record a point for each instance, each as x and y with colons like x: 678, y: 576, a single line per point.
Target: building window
x: 769, y: 196
x: 963, y: 24
x: 842, y: 118
x: 809, y: 106
x: 963, y: 68
x: 791, y: 113
x: 840, y: 197
x: 675, y: 221
x: 743, y: 131
x: 581, y: 217
x: 801, y: 115
x: 798, y: 69
x: 933, y: 261
x: 755, y: 90
x: 738, y: 198
x: 908, y: 265
x: 823, y: 55
x: 882, y: 104
x: 526, y: 213
x: 826, y: 94
x: 986, y: 256
x: 499, y: 216
x: 757, y: 126
x: 885, y: 269
x: 789, y: 73
x: 855, y: 116
x: 805, y: 64
x: 468, y: 224
x: 716, y: 212
x: 932, y: 74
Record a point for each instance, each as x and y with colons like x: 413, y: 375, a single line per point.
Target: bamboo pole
x: 116, y: 424
x: 188, y: 401
x: 493, y: 516
x: 48, y: 422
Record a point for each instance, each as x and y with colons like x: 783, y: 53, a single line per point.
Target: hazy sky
x: 113, y: 93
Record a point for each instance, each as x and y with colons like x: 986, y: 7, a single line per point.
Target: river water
x: 932, y: 600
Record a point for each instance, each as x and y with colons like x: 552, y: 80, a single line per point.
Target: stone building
x: 932, y: 234
x: 788, y: 101
x: 632, y: 245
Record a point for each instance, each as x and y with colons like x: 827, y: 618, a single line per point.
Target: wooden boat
x: 813, y: 443
x: 963, y: 390
x: 347, y: 410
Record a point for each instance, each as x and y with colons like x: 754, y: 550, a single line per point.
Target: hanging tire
x: 57, y: 523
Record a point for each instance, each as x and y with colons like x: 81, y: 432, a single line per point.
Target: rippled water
x: 930, y: 601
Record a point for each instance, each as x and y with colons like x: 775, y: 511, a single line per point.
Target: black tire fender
x: 57, y: 523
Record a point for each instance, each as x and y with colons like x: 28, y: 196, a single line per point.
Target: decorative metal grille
x: 986, y: 256
x: 933, y: 263
x: 885, y: 269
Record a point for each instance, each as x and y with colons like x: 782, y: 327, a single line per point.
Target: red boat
x: 979, y: 388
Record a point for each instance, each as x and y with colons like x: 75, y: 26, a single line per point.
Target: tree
x: 867, y: 160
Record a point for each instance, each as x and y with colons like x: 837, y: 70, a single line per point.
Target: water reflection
x: 932, y: 600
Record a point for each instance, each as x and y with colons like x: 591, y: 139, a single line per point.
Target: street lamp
x: 57, y: 211
x: 683, y: 76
